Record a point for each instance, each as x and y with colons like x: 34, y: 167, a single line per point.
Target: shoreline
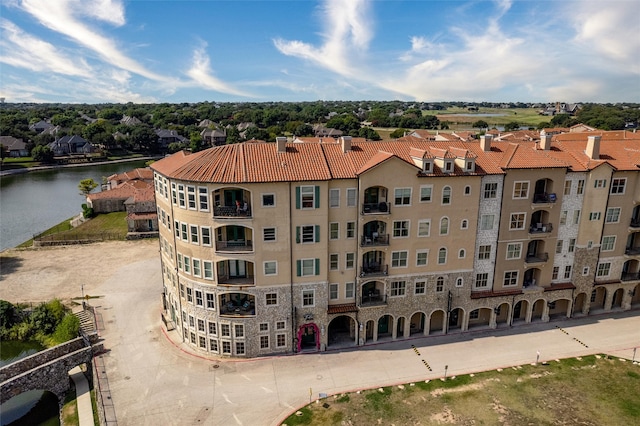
x: 12, y: 172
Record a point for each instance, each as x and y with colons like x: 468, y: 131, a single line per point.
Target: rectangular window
x: 402, y: 196
x: 608, y: 242
x: 268, y: 200
x: 490, y: 190
x: 351, y: 197
x: 308, y: 234
x: 334, y: 197
x: 308, y: 196
x: 421, y: 257
x: 585, y: 271
x: 239, y: 348
x: 189, y: 294
x: 580, y: 189
x: 264, y: 326
x: 334, y: 261
x: 191, y: 197
x: 398, y: 288
x: 210, y: 300
x: 351, y: 229
x: 187, y: 265
x: 439, y: 285
x: 225, y: 330
x: 174, y: 197
x: 208, y: 269
x: 399, y: 259
x: 181, y: 199
x: 567, y: 272
x: 239, y: 330
x: 226, y: 348
x: 281, y: 325
x: 200, y: 325
x: 271, y: 299
x: 559, y: 245
x: 334, y: 230
x: 613, y: 215
x: 520, y: 189
x: 510, y: 278
x: 514, y: 250
x: 177, y: 228
x: 482, y: 280
x: 424, y: 228
x: 213, y: 345
x: 603, y: 269
x: 400, y: 228
x: 567, y: 187
x: 572, y: 245
x: 194, y: 234
x: 446, y: 195
x: 308, y: 267
x: 264, y: 342
x: 554, y: 275
x: 205, y: 231
x: 594, y: 215
x: 196, y: 267
x: 183, y: 228
x: 271, y: 268
x: 308, y: 297
x: 203, y: 197
x: 349, y: 290
x: 213, y: 329
x: 350, y: 260
x: 517, y: 221
x: 268, y: 234
x: 484, y: 252
x: 179, y: 261
x: 563, y: 217
x: 421, y: 287
x: 442, y: 256
x: 576, y: 217
x: 333, y: 291
x: 281, y: 340
x: 600, y: 183
x: 486, y: 222
x: 425, y: 193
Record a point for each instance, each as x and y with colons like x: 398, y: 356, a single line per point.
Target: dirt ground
x: 41, y: 274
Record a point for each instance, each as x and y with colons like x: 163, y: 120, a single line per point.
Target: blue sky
x: 97, y: 51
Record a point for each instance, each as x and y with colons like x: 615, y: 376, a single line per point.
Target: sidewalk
x: 83, y: 397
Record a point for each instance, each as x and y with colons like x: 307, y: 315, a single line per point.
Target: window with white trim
x: 576, y: 217
x: 281, y: 340
x: 442, y: 256
x: 517, y: 221
x: 174, y: 194
x: 194, y: 234
x: 439, y: 284
x: 567, y: 187
x: 187, y: 265
x: 604, y: 269
x: 307, y: 197
x: 334, y: 230
x: 196, y: 267
x: 349, y: 290
x: 203, y: 198
x: 398, y: 288
x: 514, y: 251
x: 402, y: 196
x: 308, y: 267
x: 490, y: 190
x: 464, y: 224
x: 210, y: 298
x: 563, y: 217
x: 520, y: 189
x: 486, y: 222
x: 334, y: 197
x: 351, y: 229
x: 205, y: 232
x: 271, y: 267
x: 572, y: 245
x: 333, y: 291
x: 350, y: 260
x: 482, y: 280
x: 191, y: 197
x: 510, y: 278
x: 600, y: 183
x: 555, y: 272
x: 199, y: 302
x: 399, y: 259
x: 308, y: 297
x: 264, y: 342
x: 425, y: 193
x: 559, y: 245
x: 484, y: 252
x: 268, y: 234
x: 181, y: 198
x: 422, y: 257
x: 580, y: 188
x: 420, y: 287
x: 446, y: 195
x: 424, y: 227
x: 594, y: 216
x: 613, y: 215
x: 608, y: 243
x: 271, y: 299
x: 334, y: 261
x: 444, y: 226
x: 567, y: 272
x: 183, y: 228
x: 268, y: 200
x: 352, y: 200
x: 400, y: 228
x: 462, y: 253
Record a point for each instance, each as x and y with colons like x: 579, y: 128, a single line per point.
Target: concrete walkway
x: 156, y: 379
x: 83, y: 397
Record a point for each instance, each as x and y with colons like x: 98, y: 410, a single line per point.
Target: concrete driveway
x: 155, y: 379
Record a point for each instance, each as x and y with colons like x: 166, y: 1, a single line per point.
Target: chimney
x: 593, y: 147
x: 545, y: 142
x: 485, y: 142
x: 281, y: 142
x: 346, y: 143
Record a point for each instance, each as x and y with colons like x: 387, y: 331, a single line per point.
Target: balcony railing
x: 236, y: 281
x: 231, y: 211
x: 376, y: 208
x: 544, y: 198
x: 240, y: 245
x: 374, y: 240
x: 373, y: 298
x: 630, y: 276
x: 635, y: 223
x: 632, y: 251
x: 373, y: 270
x: 540, y: 228
x: 537, y: 258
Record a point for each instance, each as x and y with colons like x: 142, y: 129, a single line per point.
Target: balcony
x: 632, y: 251
x: 630, y: 276
x: 374, y: 240
x: 240, y: 281
x: 544, y: 198
x: 374, y: 270
x: 223, y: 212
x: 537, y: 258
x: 238, y: 305
x: 373, y: 298
x: 376, y: 208
x: 235, y: 246
x: 635, y: 223
x: 540, y: 228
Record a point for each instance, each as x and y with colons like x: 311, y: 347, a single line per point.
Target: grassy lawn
x: 592, y: 390
x: 19, y: 163
x: 524, y: 116
x: 113, y: 224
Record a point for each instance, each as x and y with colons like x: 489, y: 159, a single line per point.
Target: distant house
x: 142, y: 173
x: 321, y: 131
x: 580, y: 127
x: 206, y: 123
x: 70, y: 145
x: 129, y: 121
x: 40, y: 126
x: 14, y: 147
x: 165, y: 137
x: 214, y: 137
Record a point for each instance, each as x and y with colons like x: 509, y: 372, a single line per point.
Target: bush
x: 67, y: 329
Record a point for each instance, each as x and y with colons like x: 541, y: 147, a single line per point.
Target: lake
x: 33, y: 202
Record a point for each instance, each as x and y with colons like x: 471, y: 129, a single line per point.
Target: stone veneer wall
x: 488, y: 237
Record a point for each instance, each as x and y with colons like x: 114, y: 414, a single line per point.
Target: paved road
x: 155, y: 380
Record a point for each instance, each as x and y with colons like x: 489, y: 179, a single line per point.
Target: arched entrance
x: 597, y: 299
x: 616, y: 302
x: 369, y: 330
x: 558, y: 309
x: 385, y: 326
x: 341, y: 331
x: 416, y: 325
x: 400, y: 327
x: 520, y: 311
x: 502, y: 314
x: 579, y: 303
x: 308, y: 337
x: 538, y: 310
x: 479, y: 318
x: 635, y: 296
x: 436, y: 322
x: 455, y: 319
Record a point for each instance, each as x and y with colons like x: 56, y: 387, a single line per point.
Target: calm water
x: 33, y: 202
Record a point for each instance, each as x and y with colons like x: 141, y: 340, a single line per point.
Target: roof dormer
x: 464, y: 159
x: 422, y: 159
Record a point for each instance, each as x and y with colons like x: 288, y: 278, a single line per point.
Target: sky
x: 150, y: 51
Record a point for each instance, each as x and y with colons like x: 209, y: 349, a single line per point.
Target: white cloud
x: 201, y: 73
x: 23, y: 50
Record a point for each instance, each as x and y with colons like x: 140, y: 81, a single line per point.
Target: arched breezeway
x: 341, y: 331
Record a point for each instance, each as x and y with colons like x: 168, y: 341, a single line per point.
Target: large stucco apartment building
x: 299, y: 245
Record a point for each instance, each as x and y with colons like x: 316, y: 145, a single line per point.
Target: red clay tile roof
x: 142, y: 173
x: 142, y: 216
x: 341, y: 309
x: 560, y: 286
x: 138, y: 190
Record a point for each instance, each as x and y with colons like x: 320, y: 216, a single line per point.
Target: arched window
x: 444, y: 226
x: 461, y: 254
x: 446, y: 195
x: 459, y: 282
x: 467, y: 190
x: 442, y: 256
x: 440, y: 284
x: 464, y: 224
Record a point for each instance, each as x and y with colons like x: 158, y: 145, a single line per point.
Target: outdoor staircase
x: 87, y: 323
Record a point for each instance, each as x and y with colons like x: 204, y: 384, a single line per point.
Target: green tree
x: 42, y: 319
x: 145, y: 138
x: 42, y: 153
x: 86, y: 186
x: 368, y: 133
x: 8, y: 314
x: 398, y: 133
x: 512, y: 125
x: 480, y: 124
x: 67, y: 329
x: 196, y: 143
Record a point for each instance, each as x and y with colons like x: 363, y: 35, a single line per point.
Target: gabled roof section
x: 462, y: 153
x: 376, y: 160
x: 525, y: 156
